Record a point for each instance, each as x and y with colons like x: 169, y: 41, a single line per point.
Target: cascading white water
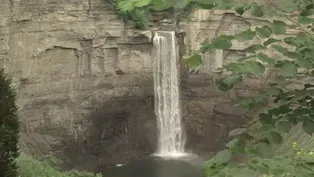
x: 171, y: 141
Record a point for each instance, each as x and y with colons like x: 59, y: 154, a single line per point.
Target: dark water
x: 158, y: 167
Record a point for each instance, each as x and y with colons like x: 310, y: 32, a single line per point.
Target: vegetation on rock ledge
x: 139, y: 11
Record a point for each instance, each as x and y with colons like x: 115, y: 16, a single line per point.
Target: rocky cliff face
x: 85, y: 88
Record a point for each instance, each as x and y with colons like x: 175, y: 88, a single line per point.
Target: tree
x: 289, y: 106
x: 9, y: 128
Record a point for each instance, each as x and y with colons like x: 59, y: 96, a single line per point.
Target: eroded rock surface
x: 84, y: 83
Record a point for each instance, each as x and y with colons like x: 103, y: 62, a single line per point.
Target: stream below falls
x: 152, y: 166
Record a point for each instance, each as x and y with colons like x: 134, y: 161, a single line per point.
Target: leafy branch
x: 288, y: 107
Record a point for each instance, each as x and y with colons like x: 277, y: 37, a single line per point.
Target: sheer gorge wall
x: 85, y: 81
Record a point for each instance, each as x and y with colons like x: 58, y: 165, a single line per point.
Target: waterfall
x: 171, y: 141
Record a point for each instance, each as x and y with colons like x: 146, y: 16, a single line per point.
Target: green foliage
x: 138, y: 15
x: 139, y: 11
x: 9, y: 128
x: 46, y: 167
x: 294, y: 61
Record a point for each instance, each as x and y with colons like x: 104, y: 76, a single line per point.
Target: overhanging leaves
x: 248, y: 67
x: 256, y: 10
x: 205, y: 6
x: 270, y: 41
x: 278, y: 27
x: 307, y: 12
x: 284, y: 126
x: 193, y: 61
x: 241, y: 8
x: 288, y: 107
x: 305, y: 20
x: 253, y: 48
x: 263, y: 32
x: 232, y: 80
x: 266, y: 59
x: 308, y: 126
x: 223, y: 157
x: 274, y: 137
x: 222, y: 42
x: 264, y: 150
x: 288, y: 69
x: 245, y: 35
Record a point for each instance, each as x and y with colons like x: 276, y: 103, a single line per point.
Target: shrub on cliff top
x: 9, y: 128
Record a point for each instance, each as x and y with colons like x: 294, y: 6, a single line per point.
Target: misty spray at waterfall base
x: 171, y: 141
x: 170, y: 159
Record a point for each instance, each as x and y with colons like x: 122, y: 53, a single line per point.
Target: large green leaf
x: 246, y: 58
x: 308, y: 126
x: 125, y: 5
x: 236, y: 145
x: 278, y: 27
x: 270, y: 41
x: 253, y: 48
x: 305, y: 63
x: 307, y: 12
x: 224, y: 4
x: 248, y: 103
x: 232, y: 143
x: 292, y: 41
x: 223, y: 86
x: 232, y: 80
x: 229, y: 82
x: 264, y: 150
x: 288, y: 69
x: 256, y: 10
x: 193, y: 61
x: 206, y: 47
x: 305, y: 20
x: 259, y: 166
x: 266, y: 59
x: 223, y: 157
x: 245, y: 35
x: 266, y: 128
x: 263, y: 32
x: 293, y: 55
x: 280, y: 49
x: 222, y: 42
x: 266, y: 118
x: 244, y: 172
x: 241, y: 8
x: 205, y: 6
x: 274, y: 137
x: 248, y: 67
x: 284, y: 126
x: 257, y: 67
x: 141, y: 3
